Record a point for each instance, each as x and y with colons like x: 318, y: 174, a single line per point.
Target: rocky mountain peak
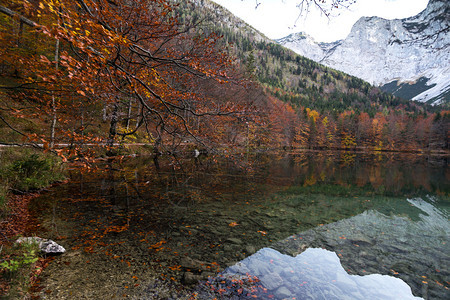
x: 411, y: 56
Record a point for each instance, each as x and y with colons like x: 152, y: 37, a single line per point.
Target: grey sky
x: 278, y: 18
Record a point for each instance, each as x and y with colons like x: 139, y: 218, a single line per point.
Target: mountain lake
x: 285, y: 225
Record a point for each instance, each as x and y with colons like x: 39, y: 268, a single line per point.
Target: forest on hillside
x: 86, y: 85
x: 77, y: 73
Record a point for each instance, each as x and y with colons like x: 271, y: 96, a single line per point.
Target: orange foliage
x: 134, y: 56
x: 96, y: 71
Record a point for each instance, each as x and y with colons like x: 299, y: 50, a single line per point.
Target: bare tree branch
x: 13, y: 14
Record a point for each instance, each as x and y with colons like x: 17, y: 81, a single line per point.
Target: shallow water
x: 208, y: 226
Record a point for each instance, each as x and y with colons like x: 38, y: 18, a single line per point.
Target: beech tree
x: 134, y: 58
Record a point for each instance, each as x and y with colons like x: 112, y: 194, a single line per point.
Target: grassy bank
x: 23, y: 173
x: 24, y: 170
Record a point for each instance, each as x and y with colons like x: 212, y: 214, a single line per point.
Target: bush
x: 33, y: 171
x: 16, y: 267
x: 23, y: 170
x: 24, y: 255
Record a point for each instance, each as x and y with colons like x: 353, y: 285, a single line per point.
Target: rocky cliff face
x: 408, y: 57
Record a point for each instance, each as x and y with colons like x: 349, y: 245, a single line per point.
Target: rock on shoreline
x: 45, y: 245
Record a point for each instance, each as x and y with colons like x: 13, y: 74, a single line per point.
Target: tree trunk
x: 139, y: 113
x: 129, y: 114
x: 19, y: 35
x: 113, y: 127
x: 53, y: 124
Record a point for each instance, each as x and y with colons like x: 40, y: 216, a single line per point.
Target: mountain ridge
x: 293, y: 78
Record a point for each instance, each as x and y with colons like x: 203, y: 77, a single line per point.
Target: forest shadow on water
x: 216, y: 226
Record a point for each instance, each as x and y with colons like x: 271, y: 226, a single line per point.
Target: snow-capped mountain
x: 408, y: 57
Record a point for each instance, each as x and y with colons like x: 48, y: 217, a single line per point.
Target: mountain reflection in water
x: 315, y: 274
x: 409, y: 242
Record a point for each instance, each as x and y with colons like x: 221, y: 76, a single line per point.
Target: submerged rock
x: 271, y: 281
x: 45, y: 245
x: 283, y: 293
x: 249, y: 249
x: 194, y: 264
x: 190, y: 278
x: 234, y: 241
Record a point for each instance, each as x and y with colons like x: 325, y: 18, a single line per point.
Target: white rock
x: 45, y: 245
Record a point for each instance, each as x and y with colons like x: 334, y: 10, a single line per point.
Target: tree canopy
x: 117, y: 55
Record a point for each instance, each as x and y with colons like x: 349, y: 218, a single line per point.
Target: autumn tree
x: 133, y: 59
